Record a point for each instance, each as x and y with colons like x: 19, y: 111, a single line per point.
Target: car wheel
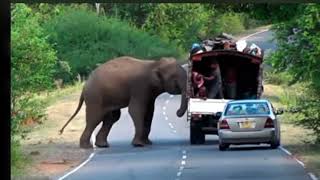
x: 223, y: 146
x: 275, y: 144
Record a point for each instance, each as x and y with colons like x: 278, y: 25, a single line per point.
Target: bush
x: 249, y: 22
x: 32, y: 64
x: 63, y: 71
x: 32, y: 57
x: 298, y: 54
x: 84, y: 39
x: 17, y: 160
x: 309, y: 110
x: 231, y: 23
x: 26, y: 109
x: 277, y: 78
x: 181, y: 23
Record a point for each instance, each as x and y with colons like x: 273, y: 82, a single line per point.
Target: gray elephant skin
x: 133, y: 83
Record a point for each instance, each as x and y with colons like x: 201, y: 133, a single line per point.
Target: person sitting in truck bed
x: 200, y: 90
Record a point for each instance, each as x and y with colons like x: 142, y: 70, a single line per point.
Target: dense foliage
x: 84, y: 39
x: 32, y: 68
x: 298, y: 53
x: 181, y: 23
x: 134, y: 13
x: 32, y: 63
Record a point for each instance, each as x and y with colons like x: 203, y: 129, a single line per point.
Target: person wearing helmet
x: 196, y: 48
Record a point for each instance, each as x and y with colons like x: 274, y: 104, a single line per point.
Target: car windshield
x: 249, y: 108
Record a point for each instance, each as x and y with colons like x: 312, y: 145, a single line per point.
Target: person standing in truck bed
x: 214, y: 82
x: 231, y: 83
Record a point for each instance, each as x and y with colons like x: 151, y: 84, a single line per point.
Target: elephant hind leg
x: 94, y: 116
x: 108, y: 120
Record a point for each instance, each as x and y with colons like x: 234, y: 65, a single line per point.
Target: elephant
x: 128, y: 82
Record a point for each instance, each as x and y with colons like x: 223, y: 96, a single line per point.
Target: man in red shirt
x: 199, y: 88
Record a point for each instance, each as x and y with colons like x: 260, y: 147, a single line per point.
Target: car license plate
x: 247, y: 124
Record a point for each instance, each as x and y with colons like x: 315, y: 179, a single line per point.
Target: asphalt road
x: 172, y: 158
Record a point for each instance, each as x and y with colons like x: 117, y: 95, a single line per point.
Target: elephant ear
x: 162, y: 71
x: 158, y: 78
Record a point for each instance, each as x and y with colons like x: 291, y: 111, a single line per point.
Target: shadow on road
x: 248, y: 148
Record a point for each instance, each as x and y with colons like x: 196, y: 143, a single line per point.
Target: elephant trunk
x: 184, y: 101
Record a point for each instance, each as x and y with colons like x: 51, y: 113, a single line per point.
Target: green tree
x: 85, y: 39
x: 298, y: 53
x: 32, y: 62
x: 181, y: 23
x: 136, y: 13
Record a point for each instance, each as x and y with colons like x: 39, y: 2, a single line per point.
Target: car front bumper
x: 263, y: 136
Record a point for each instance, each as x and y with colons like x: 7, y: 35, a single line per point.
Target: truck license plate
x: 247, y: 124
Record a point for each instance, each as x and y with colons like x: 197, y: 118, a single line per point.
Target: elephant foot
x: 148, y: 141
x: 103, y: 144
x: 138, y: 143
x: 85, y: 145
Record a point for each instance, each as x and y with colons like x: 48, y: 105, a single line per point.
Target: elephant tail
x: 74, y: 114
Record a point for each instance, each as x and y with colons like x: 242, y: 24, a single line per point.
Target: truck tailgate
x: 208, y: 106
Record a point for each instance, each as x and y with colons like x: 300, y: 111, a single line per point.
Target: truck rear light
x: 196, y: 116
x: 224, y: 124
x: 269, y: 123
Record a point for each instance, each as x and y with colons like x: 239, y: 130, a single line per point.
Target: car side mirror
x: 218, y: 114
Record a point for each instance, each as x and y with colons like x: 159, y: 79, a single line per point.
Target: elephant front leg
x: 108, y: 121
x: 147, y: 123
x: 137, y: 111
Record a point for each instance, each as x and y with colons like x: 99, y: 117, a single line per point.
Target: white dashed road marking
x: 184, y: 152
x: 183, y: 163
x: 312, y: 176
x: 286, y: 151
x: 300, y: 162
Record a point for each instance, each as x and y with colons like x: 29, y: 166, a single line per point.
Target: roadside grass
x: 50, y: 97
x: 298, y: 140
x: 19, y: 160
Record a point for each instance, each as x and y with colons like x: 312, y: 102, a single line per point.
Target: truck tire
x: 196, y: 134
x: 223, y: 146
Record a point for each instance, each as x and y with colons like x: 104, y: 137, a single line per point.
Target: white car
x: 248, y: 122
